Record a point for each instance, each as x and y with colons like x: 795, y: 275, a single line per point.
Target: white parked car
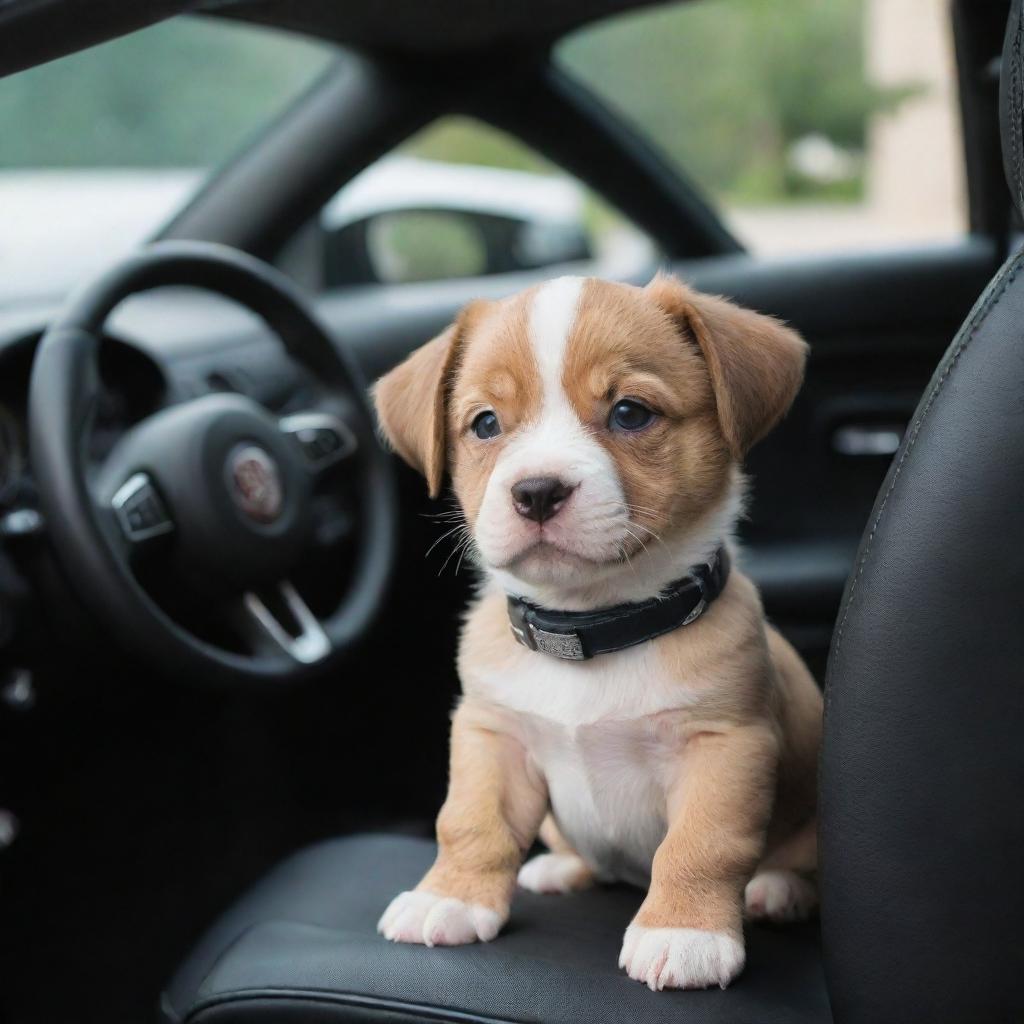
x: 400, y: 220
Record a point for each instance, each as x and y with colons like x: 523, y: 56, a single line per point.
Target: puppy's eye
x: 629, y: 415
x: 486, y: 426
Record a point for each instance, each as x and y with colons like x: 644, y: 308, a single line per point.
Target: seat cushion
x: 303, y: 946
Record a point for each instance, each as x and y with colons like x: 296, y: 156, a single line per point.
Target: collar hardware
x: 697, y: 612
x: 565, y: 645
x: 579, y: 636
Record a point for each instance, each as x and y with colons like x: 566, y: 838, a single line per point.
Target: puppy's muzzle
x: 540, y: 497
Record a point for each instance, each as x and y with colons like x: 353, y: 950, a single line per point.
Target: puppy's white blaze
x: 552, y: 316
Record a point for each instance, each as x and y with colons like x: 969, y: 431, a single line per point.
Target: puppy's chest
x: 602, y: 735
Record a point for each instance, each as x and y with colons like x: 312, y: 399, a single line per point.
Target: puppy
x: 594, y: 434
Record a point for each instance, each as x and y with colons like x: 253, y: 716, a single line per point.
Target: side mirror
x: 402, y: 246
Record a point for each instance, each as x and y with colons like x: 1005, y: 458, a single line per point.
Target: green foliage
x: 184, y: 93
x: 426, y: 245
x: 725, y: 86
x: 461, y: 140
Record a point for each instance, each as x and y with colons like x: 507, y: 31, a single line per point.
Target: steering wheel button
x: 140, y: 511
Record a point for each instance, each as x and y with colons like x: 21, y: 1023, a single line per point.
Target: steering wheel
x: 211, y: 503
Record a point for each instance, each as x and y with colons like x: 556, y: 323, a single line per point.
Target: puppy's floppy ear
x: 412, y: 400
x: 756, y: 364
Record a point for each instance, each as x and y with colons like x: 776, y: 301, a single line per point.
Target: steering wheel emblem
x: 256, y: 483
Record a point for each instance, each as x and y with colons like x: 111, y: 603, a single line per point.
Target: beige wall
x: 914, y: 161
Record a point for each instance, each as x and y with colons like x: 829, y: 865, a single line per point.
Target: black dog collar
x: 577, y: 636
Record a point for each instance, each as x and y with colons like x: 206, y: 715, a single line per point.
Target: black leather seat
x: 302, y: 947
x: 922, y: 833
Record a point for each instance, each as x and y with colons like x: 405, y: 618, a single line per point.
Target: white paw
x: 555, y: 872
x: 780, y: 896
x: 433, y: 920
x: 680, y: 957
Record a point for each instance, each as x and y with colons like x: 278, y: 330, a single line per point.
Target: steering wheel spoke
x: 284, y: 620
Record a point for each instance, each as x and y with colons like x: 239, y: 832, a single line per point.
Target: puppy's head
x: 588, y: 425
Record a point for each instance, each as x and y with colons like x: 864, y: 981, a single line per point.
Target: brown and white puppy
x: 685, y: 764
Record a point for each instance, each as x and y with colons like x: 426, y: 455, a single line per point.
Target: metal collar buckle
x: 701, y: 584
x: 567, y: 646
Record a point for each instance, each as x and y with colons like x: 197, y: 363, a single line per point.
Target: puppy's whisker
x: 640, y: 541
x: 454, y: 511
x: 466, y: 547
x: 445, y: 535
x: 464, y: 540
x: 646, y: 529
x: 624, y: 555
x: 651, y: 534
x: 649, y: 513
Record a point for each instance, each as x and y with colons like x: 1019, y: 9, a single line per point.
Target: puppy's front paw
x: 780, y: 896
x: 433, y: 920
x: 556, y: 872
x: 680, y: 957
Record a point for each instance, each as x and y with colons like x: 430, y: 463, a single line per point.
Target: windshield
x: 99, y: 149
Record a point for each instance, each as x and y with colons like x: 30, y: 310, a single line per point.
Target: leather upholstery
x: 302, y: 946
x: 1011, y: 105
x: 922, y: 833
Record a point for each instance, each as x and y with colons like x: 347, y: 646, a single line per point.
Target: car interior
x: 223, y: 749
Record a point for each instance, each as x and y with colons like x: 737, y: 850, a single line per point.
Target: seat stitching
x: 441, y: 1014
x: 912, y: 440
x: 1015, y: 120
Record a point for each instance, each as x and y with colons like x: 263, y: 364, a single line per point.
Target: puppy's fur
x: 685, y: 764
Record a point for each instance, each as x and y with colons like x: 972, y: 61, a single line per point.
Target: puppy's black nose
x: 540, y: 497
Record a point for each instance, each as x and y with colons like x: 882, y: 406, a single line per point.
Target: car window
x: 462, y: 199
x: 99, y: 148
x: 817, y: 129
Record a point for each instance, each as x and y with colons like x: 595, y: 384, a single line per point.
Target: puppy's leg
x: 688, y: 932
x: 784, y: 887
x: 490, y: 818
x: 562, y: 870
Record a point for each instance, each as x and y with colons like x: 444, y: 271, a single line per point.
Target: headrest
x: 1011, y: 105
